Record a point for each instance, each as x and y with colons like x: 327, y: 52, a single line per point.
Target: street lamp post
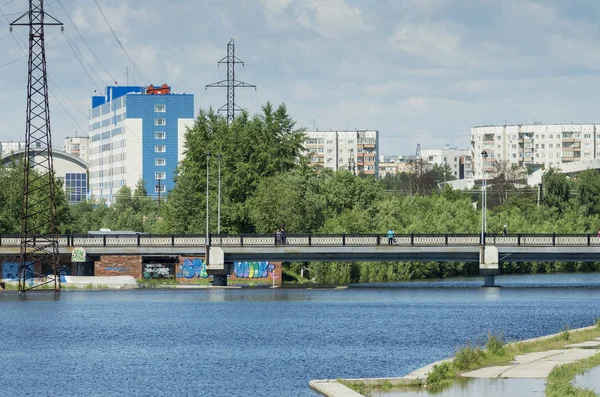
x: 484, y: 156
x: 207, y: 229
x: 219, y: 157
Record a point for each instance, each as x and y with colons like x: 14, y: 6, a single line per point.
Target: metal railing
x: 316, y: 240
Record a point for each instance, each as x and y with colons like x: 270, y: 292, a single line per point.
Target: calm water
x: 265, y: 342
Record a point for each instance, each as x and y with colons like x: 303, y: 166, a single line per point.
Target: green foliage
x: 468, y: 357
x: 441, y: 372
x: 560, y: 380
x: 495, y: 344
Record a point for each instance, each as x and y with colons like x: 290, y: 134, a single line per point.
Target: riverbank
x: 528, y: 359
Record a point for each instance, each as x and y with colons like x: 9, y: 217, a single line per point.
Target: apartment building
x: 77, y: 146
x: 356, y: 150
x: 137, y: 132
x: 458, y: 160
x: 547, y: 145
x: 12, y: 146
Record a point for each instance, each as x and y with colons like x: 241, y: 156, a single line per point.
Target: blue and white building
x: 137, y: 133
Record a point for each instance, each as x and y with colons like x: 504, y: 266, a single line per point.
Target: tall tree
x: 251, y: 149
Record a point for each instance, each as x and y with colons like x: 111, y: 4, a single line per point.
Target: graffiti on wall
x: 192, y: 268
x: 195, y: 268
x: 157, y: 270
x: 253, y: 269
x: 10, y: 270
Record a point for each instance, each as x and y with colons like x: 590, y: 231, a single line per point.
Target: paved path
x: 539, y: 364
x: 531, y: 365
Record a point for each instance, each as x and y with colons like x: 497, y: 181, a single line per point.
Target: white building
x: 548, y: 145
x: 356, y: 151
x: 458, y: 160
x: 11, y: 146
x: 77, y: 146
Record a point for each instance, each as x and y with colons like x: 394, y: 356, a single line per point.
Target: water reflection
x: 589, y: 380
x: 495, y: 387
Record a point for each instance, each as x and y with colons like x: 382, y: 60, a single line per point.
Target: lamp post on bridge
x: 484, y: 156
x: 207, y: 191
x: 219, y: 157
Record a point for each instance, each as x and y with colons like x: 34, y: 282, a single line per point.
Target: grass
x: 366, y: 388
x: 560, y: 380
x: 496, y: 352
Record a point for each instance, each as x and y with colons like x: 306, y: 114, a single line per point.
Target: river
x: 266, y: 342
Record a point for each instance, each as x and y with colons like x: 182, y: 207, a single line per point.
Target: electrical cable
x: 85, y: 42
x: 135, y: 68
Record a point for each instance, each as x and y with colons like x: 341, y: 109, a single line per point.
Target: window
x: 160, y: 135
x: 587, y: 136
x: 550, y: 146
x: 160, y: 162
x: 160, y: 108
x: 160, y: 175
x: 160, y: 148
x: 160, y: 121
x: 551, y: 136
x: 542, y: 146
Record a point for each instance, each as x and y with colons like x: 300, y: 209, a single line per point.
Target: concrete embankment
x: 532, y: 366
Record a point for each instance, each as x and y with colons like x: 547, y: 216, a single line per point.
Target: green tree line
x: 266, y: 182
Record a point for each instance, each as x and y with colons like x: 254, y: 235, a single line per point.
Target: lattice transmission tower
x: 231, y: 83
x: 39, y: 239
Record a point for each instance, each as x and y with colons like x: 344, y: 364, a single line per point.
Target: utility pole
x: 39, y: 238
x: 231, y: 83
x: 158, y: 192
x: 219, y: 157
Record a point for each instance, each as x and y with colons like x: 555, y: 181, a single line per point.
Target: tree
x: 588, y: 191
x: 504, y: 178
x: 556, y: 189
x: 252, y: 149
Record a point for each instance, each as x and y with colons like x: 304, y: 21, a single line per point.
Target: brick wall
x: 126, y: 265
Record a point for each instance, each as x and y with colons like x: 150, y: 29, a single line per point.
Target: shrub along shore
x: 495, y: 353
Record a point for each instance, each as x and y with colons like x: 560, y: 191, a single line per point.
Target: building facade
x: 459, y: 161
x: 77, y: 146
x: 69, y: 169
x: 356, y: 151
x: 12, y: 146
x: 547, y: 145
x: 137, y: 133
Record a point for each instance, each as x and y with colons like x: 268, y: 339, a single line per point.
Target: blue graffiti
x: 192, y: 268
x: 253, y: 269
x: 10, y: 270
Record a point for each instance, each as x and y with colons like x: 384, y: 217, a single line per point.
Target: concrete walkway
x: 539, y: 364
x: 531, y: 365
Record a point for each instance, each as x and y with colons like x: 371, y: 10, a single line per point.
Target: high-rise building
x: 137, y: 133
x: 356, y: 151
x: 547, y: 145
x: 77, y: 146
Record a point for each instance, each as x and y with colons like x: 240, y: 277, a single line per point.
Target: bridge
x: 224, y: 250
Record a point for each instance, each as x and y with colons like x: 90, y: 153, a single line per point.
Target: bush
x: 440, y: 373
x: 495, y: 344
x: 468, y: 357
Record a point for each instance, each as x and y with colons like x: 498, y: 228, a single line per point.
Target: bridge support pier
x: 217, y: 267
x: 489, y: 266
x: 489, y: 281
x: 219, y: 280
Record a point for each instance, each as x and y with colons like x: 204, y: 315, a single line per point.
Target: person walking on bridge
x: 390, y: 236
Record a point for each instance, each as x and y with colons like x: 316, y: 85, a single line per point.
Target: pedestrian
x: 283, y: 235
x: 504, y: 230
x: 279, y: 236
x: 390, y: 236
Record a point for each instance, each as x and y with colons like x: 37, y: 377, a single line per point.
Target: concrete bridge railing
x: 316, y: 240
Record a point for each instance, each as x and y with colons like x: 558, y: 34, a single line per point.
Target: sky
x: 419, y: 71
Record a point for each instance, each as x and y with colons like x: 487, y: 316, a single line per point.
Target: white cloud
x: 430, y: 41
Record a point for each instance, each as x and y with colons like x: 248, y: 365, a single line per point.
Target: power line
x: 73, y: 48
x: 85, y: 42
x: 135, y: 68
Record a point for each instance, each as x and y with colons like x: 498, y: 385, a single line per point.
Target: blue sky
x: 419, y: 71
